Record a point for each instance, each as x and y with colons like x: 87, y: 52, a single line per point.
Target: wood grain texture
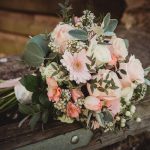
x: 10, y: 43
x: 26, y: 24
x: 12, y: 137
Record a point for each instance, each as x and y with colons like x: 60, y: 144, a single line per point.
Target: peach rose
x: 118, y: 48
x: 92, y: 103
x: 61, y: 36
x: 112, y: 93
x: 134, y: 71
x: 72, y: 110
x: 76, y: 93
x: 54, y: 92
x: 113, y: 105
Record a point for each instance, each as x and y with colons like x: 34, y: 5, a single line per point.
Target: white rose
x: 101, y: 52
x: 61, y: 36
x: 118, y: 48
x: 22, y: 95
x: 134, y: 70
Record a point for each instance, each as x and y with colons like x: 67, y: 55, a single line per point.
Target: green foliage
x: 35, y: 118
x: 45, y: 116
x: 126, y: 43
x: 104, y: 117
x: 65, y: 11
x: 30, y: 82
x: 109, y: 25
x: 35, y: 50
x: 26, y: 109
x: 79, y: 34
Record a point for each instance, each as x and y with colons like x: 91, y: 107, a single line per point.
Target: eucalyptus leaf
x: 108, y: 34
x: 111, y: 26
x: 35, y: 50
x: 100, y: 119
x: 126, y: 43
x: 108, y: 116
x: 35, y: 118
x: 89, y: 118
x: 106, y: 20
x: 30, y: 82
x: 146, y: 71
x: 147, y: 82
x: 79, y: 34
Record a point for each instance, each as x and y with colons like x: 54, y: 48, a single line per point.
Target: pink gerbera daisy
x: 76, y: 65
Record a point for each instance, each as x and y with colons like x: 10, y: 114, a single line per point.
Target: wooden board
x: 12, y: 137
x: 11, y: 44
x: 26, y: 24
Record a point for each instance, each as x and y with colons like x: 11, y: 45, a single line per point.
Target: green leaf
x: 100, y: 119
x: 25, y: 109
x: 30, y: 82
x: 79, y: 34
x: 123, y: 71
x: 146, y: 71
x: 35, y: 50
x: 35, y: 118
x: 106, y: 20
x: 147, y: 82
x: 88, y: 119
x: 126, y: 43
x: 111, y: 26
x: 108, y: 116
x: 108, y: 34
x: 45, y: 116
x: 44, y: 100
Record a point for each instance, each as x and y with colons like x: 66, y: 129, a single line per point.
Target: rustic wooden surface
x: 12, y: 137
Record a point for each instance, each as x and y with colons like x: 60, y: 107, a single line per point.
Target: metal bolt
x: 74, y: 139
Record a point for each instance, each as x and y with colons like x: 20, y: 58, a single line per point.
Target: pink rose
x: 134, y: 71
x: 72, y: 110
x: 76, y: 93
x: 92, y: 103
x: 112, y: 93
x: 114, y: 106
x: 61, y: 36
x: 54, y: 92
x: 118, y: 48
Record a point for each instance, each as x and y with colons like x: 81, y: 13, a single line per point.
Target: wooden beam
x: 11, y: 44
x: 26, y: 24
x: 40, y: 6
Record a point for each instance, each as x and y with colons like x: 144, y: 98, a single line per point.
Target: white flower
x: 128, y: 113
x: 127, y: 93
x: 100, y: 52
x: 138, y: 119
x: 49, y: 71
x: 23, y: 96
x: 118, y: 48
x: 132, y: 109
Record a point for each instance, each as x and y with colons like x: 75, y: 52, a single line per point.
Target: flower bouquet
x: 81, y: 72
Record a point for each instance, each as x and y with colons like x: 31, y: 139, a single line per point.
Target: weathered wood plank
x: 39, y: 6
x: 12, y: 137
x: 26, y: 24
x: 11, y: 44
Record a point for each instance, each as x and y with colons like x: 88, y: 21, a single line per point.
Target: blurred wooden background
x: 21, y: 18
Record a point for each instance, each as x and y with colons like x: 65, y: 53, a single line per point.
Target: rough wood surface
x: 11, y: 44
x: 26, y: 24
x: 12, y: 137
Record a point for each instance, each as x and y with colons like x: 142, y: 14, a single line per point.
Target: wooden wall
x: 21, y: 18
